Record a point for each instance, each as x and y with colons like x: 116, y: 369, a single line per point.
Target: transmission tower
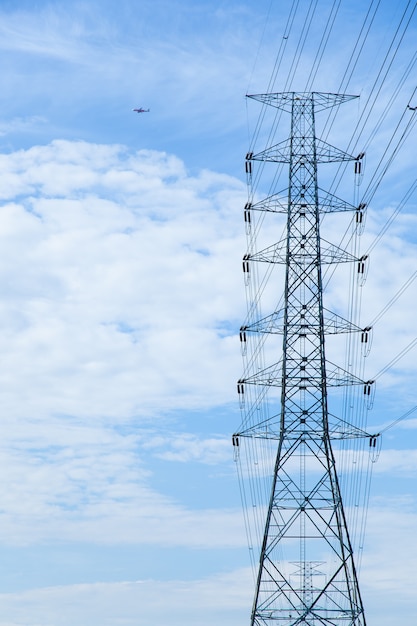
x: 306, y: 570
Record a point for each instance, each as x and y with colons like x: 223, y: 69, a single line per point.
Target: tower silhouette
x: 306, y: 572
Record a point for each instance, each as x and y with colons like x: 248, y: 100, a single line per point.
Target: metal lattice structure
x: 306, y: 572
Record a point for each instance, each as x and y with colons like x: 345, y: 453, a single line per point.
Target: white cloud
x: 21, y: 124
x: 116, y: 299
x: 188, y: 447
x: 116, y: 309
x: 397, y: 462
x: 72, y: 482
x: 222, y: 597
x: 389, y: 562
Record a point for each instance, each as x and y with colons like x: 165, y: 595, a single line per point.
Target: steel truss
x: 307, y: 572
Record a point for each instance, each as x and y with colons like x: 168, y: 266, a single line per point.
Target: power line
x: 398, y: 420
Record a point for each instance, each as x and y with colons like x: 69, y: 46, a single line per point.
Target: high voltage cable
x: 287, y: 32
x: 391, y: 101
x: 278, y: 61
x: 374, y: 188
x: 301, y: 43
x: 395, y: 360
x: 388, y: 223
x: 354, y: 58
x: 371, y: 190
x: 323, y: 43
x: 357, y: 485
x: 394, y: 298
x: 376, y: 87
x: 386, y: 71
x: 260, y: 44
x: 405, y: 199
x: 277, y: 65
x: 399, y: 419
x: 300, y: 46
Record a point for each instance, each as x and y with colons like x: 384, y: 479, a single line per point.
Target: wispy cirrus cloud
x: 114, y: 603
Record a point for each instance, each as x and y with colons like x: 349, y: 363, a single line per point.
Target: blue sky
x: 121, y: 238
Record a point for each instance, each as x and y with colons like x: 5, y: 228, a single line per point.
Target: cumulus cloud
x: 120, y: 299
x: 119, y: 288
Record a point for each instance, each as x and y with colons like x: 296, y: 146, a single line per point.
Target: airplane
x: 141, y: 110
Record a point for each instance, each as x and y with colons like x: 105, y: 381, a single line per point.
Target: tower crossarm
x: 270, y: 429
x: 285, y: 151
x: 303, y: 377
x: 307, y: 322
x: 278, y: 203
x: 302, y: 250
x: 286, y: 100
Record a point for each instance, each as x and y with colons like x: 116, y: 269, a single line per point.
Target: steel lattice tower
x: 306, y: 573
